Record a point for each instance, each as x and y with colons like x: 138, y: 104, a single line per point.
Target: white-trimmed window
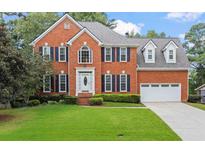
x: 46, y: 53
x: 108, y: 54
x: 62, y: 54
x: 150, y: 55
x: 46, y: 83
x: 123, y: 82
x: 62, y: 83
x: 171, y: 55
x: 123, y: 54
x: 85, y: 55
x: 108, y: 82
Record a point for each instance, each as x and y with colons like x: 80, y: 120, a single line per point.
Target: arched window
x: 85, y: 55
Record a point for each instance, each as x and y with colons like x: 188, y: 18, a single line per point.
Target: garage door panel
x: 160, y: 92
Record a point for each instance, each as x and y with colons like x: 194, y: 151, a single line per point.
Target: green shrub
x: 46, y: 98
x: 34, y: 102
x: 128, y: 98
x: 62, y: 101
x: 52, y: 102
x: 194, y: 99
x: 70, y: 100
x: 96, y: 101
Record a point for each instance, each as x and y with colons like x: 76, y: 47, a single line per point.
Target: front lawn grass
x: 119, y: 104
x: 76, y: 123
x: 198, y: 105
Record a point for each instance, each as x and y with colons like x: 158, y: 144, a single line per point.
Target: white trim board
x: 53, y: 26
x: 80, y: 33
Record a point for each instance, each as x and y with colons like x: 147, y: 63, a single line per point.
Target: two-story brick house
x: 89, y: 58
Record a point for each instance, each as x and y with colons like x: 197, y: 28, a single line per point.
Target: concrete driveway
x: 188, y: 122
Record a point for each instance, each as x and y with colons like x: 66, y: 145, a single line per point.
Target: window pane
x: 149, y: 54
x: 123, y: 54
x: 108, y: 54
x: 154, y: 85
x: 46, y: 53
x: 123, y: 83
x: 85, y: 55
x: 62, y: 82
x: 62, y: 54
x: 108, y: 82
x: 171, y: 54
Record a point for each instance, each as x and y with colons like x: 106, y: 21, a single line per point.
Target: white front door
x: 163, y: 92
x: 85, y: 82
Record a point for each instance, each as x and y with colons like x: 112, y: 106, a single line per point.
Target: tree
x: 162, y: 35
x: 12, y: 68
x: 195, y: 48
x: 152, y: 34
x: 132, y: 34
x: 93, y: 16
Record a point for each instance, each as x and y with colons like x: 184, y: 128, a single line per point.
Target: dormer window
x: 170, y: 52
x: 149, y: 52
x: 150, y: 57
x: 171, y: 55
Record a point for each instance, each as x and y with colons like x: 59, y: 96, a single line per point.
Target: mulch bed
x: 6, y: 117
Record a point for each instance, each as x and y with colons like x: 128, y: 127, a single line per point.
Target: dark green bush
x: 62, y: 101
x: 128, y: 98
x: 34, y: 102
x: 194, y: 99
x: 46, y: 98
x: 96, y: 101
x: 70, y: 100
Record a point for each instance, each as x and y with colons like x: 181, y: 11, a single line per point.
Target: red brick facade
x: 59, y: 35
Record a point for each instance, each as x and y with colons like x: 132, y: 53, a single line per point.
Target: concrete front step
x: 83, y: 98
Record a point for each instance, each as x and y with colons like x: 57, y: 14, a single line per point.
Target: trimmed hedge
x: 96, y: 101
x: 70, y: 100
x: 34, y: 102
x: 194, y: 99
x: 46, y: 98
x: 128, y: 98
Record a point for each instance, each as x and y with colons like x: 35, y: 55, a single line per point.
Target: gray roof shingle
x: 109, y: 37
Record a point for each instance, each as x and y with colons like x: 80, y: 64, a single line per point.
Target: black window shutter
x: 52, y: 53
x: 66, y: 54
x: 128, y: 54
x: 52, y: 83
x: 67, y: 82
x: 102, y: 54
x: 41, y: 51
x: 113, y: 83
x: 118, y: 83
x: 113, y: 54
x: 56, y: 49
x: 128, y: 83
x: 103, y: 83
x: 57, y: 84
x: 118, y: 54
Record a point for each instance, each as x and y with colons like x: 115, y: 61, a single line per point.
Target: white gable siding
x: 171, y: 46
x: 149, y: 46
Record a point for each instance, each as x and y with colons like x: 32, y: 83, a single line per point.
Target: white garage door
x: 154, y: 92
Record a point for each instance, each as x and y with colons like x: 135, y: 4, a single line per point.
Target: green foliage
x: 150, y: 34
x: 100, y: 17
x: 34, y: 102
x: 194, y: 99
x: 62, y: 101
x: 46, y: 98
x: 129, y: 98
x: 96, y: 101
x: 195, y: 48
x: 70, y: 100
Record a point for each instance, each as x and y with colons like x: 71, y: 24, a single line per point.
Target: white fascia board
x: 53, y: 26
x: 148, y: 44
x: 170, y: 42
x: 162, y: 69
x: 80, y: 33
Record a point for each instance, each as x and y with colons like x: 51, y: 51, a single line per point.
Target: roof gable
x: 53, y: 26
x: 200, y: 87
x: 168, y: 44
x: 84, y: 30
x: 149, y: 42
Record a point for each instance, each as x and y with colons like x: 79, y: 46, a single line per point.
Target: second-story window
x: 150, y: 56
x: 171, y: 55
x: 46, y: 53
x: 123, y: 54
x: 85, y: 55
x: 108, y: 55
x: 62, y: 54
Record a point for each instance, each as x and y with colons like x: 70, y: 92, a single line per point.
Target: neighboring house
x: 89, y: 58
x: 201, y: 92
